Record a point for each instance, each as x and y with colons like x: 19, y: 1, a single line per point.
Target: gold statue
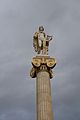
x: 41, y: 41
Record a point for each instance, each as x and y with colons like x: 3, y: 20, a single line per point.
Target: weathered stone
x: 44, y: 101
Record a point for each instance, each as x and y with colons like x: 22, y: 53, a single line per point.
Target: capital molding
x: 42, y: 63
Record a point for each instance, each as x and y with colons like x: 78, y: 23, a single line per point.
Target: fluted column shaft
x: 44, y: 100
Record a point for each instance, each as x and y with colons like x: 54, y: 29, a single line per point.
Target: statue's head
x: 41, y: 28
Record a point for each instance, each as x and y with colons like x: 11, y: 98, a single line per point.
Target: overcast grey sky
x: 19, y: 19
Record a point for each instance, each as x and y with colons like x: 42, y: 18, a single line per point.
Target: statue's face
x: 41, y: 29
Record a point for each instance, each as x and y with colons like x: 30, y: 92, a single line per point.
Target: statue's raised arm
x: 41, y: 41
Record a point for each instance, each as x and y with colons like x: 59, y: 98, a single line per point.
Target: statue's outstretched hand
x: 49, y: 37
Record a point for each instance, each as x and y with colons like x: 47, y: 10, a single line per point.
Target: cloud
x: 18, y: 22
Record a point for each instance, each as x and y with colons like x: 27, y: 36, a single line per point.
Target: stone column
x: 42, y: 70
x: 44, y: 100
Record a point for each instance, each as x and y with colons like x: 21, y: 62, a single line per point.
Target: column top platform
x: 42, y: 63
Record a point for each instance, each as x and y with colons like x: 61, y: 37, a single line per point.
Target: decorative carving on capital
x: 42, y: 63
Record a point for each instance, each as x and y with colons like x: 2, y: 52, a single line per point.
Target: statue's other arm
x: 35, y: 35
x: 35, y: 41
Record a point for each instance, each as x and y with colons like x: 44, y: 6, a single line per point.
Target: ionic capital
x: 42, y: 63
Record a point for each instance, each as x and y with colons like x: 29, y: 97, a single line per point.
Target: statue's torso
x: 41, y: 38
